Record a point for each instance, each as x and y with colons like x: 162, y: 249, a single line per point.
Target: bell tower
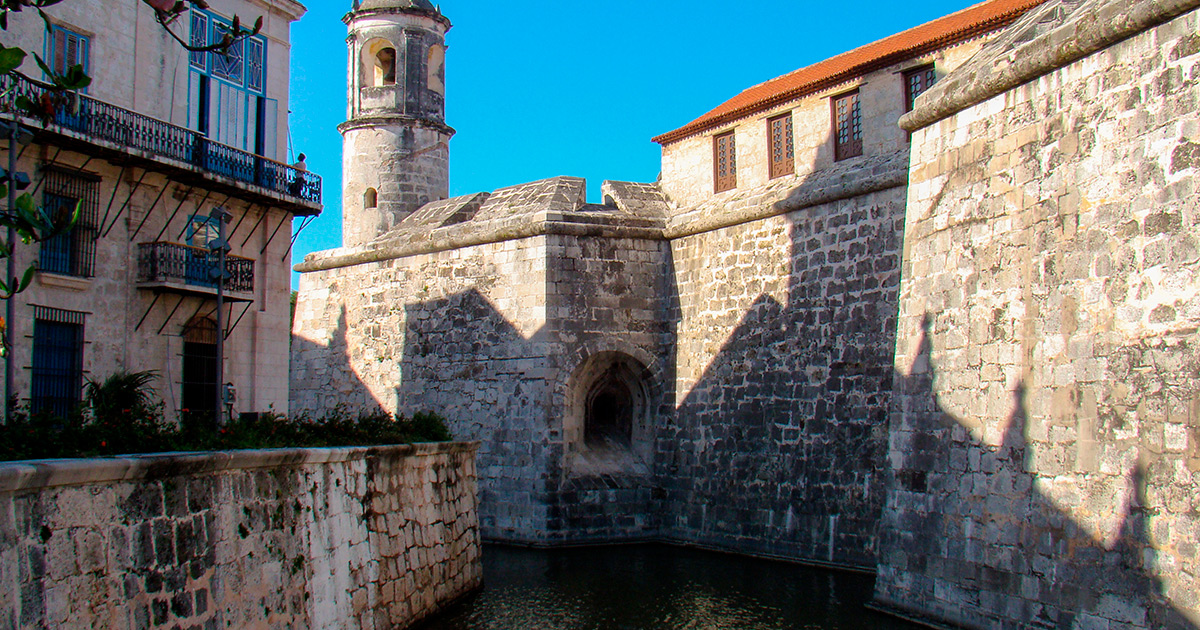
x: 395, y: 141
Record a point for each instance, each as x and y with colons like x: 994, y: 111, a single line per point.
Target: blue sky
x: 542, y: 88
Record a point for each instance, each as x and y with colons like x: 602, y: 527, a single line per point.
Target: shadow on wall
x: 778, y: 446
x: 331, y: 363
x: 968, y: 538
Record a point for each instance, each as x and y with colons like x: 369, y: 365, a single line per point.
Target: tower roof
x: 418, y: 5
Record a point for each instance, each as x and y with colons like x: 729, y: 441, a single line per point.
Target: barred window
x: 847, y: 126
x: 725, y: 162
x: 72, y: 252
x: 781, y: 157
x: 57, y: 371
x: 916, y: 81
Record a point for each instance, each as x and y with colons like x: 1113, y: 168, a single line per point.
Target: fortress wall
x: 783, y: 356
x: 457, y: 332
x: 606, y: 297
x: 1045, y: 446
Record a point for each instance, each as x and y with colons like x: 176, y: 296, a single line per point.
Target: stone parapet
x: 370, y: 537
x: 1039, y: 43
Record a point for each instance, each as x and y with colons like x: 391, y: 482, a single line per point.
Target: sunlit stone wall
x: 1045, y: 434
x: 313, y: 538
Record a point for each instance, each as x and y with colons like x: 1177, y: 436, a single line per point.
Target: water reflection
x: 653, y: 587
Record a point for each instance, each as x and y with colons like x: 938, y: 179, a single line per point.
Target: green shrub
x: 125, y: 419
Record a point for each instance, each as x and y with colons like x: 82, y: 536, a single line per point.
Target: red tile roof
x: 945, y: 31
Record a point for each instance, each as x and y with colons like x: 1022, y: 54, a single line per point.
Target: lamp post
x: 220, y: 247
x: 13, y: 180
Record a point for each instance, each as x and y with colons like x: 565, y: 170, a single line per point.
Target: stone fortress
x: 959, y: 352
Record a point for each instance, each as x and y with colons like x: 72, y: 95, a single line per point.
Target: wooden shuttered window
x: 916, y: 81
x: 725, y: 162
x: 65, y: 49
x: 781, y: 158
x: 847, y: 126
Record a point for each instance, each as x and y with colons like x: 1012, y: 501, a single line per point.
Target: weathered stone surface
x: 316, y: 538
x: 1042, y: 440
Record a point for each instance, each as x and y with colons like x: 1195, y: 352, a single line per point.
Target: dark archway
x: 608, y: 418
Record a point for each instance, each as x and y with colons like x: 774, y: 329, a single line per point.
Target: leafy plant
x: 121, y: 393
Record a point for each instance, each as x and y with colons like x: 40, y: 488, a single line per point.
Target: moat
x: 653, y: 587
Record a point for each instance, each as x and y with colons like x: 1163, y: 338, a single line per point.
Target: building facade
x: 160, y: 139
x: 957, y: 352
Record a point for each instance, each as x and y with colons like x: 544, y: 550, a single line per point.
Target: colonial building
x: 960, y: 352
x: 160, y: 139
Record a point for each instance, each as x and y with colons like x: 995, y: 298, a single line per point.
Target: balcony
x: 103, y: 125
x: 182, y: 269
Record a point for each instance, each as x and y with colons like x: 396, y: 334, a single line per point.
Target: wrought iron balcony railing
x: 164, y: 262
x: 97, y: 119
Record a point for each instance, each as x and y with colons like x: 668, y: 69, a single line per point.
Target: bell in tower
x: 395, y: 140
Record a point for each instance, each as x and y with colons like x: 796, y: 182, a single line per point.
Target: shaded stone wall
x: 457, y: 332
x: 1045, y: 433
x: 783, y: 355
x: 316, y: 538
x: 608, y: 297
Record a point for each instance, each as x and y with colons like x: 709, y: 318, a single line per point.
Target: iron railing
x: 175, y: 262
x: 97, y: 119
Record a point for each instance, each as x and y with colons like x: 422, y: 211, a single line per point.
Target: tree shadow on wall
x: 779, y: 445
x: 967, y: 536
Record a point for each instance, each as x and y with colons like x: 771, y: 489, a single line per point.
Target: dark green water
x: 654, y: 587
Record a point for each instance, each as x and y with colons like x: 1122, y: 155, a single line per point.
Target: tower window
x: 385, y: 67
x: 781, y: 155
x: 725, y: 162
x: 847, y: 126
x: 370, y: 198
x: 436, y: 69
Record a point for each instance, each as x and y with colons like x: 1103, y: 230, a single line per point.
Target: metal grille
x: 73, y: 252
x: 847, y: 124
x: 199, y: 366
x: 175, y: 262
x: 782, y: 158
x: 915, y: 83
x: 725, y: 161
x: 57, y: 361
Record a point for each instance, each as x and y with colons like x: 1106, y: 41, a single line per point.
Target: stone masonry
x: 968, y: 366
x: 317, y: 538
x: 1045, y: 436
x: 671, y: 363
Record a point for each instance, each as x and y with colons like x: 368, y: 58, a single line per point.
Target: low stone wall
x: 290, y: 538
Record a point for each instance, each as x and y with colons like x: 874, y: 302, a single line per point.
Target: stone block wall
x: 319, y: 538
x: 1045, y: 433
x: 457, y: 332
x: 608, y: 297
x: 784, y: 329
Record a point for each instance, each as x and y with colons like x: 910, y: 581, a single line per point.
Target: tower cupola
x: 395, y: 138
